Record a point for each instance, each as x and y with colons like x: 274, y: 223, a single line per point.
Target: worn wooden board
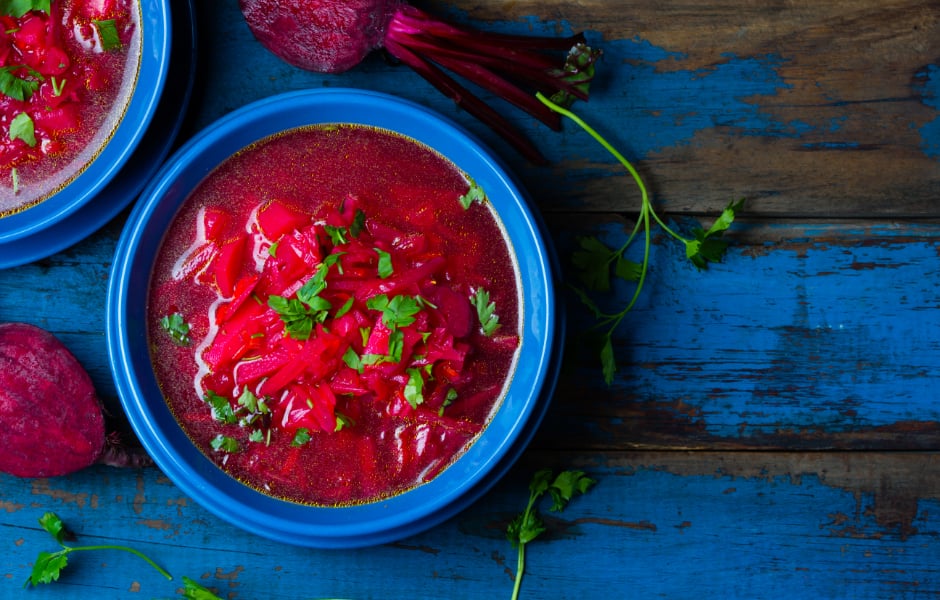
x: 674, y: 525
x: 799, y: 106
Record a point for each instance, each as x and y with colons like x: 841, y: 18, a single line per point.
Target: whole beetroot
x: 51, y: 418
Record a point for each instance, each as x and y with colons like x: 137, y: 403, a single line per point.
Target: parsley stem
x: 647, y: 208
x: 520, y: 570
x: 137, y: 553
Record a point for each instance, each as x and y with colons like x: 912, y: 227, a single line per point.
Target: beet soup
x: 335, y: 314
x: 67, y: 72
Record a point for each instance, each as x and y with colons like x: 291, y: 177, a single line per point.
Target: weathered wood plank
x: 807, y: 335
x: 804, y: 525
x: 799, y: 106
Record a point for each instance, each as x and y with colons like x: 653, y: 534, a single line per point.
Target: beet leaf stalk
x: 511, y: 67
x: 331, y: 37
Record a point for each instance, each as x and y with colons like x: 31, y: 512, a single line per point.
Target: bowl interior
x: 127, y: 332
x: 155, y: 40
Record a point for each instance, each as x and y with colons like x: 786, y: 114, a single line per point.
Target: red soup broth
x: 335, y: 281
x: 69, y: 74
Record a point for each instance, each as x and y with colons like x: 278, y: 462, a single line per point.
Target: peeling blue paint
x: 815, y: 342
x: 928, y: 86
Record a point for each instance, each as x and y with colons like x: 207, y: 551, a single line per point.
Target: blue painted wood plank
x: 804, y: 526
x: 808, y: 335
x: 751, y: 109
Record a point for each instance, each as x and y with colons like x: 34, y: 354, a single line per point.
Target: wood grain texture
x: 676, y: 525
x: 809, y: 109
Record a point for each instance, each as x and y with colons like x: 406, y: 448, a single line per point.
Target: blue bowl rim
x: 156, y: 40
x: 195, y: 474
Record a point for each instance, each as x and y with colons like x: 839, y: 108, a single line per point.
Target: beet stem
x: 513, y: 67
x: 467, y: 100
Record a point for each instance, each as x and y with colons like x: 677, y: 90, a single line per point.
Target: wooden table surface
x: 772, y: 427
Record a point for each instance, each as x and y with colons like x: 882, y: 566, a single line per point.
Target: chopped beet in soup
x: 334, y: 314
x: 67, y: 71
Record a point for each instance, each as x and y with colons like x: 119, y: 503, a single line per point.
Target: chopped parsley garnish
x: 224, y: 443
x: 396, y: 312
x: 23, y: 128
x: 177, y: 328
x: 474, y: 194
x: 300, y: 314
x: 414, y: 389
x: 385, y: 263
x: 486, y: 311
x: 221, y: 408
x: 18, y: 8
x: 19, y: 88
x: 301, y: 437
x: 108, y: 34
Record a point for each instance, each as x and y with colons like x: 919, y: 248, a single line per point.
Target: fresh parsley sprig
x: 49, y: 565
x: 596, y: 261
x: 528, y: 525
x: 301, y: 313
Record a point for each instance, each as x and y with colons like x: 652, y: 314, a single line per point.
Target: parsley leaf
x: 301, y: 437
x: 528, y: 525
x: 221, y: 408
x: 338, y: 235
x: 489, y: 320
x: 23, y: 128
x: 414, y: 389
x: 108, y: 34
x: 177, y: 328
x: 396, y: 312
x: 358, y: 224
x: 19, y: 88
x: 18, y: 8
x: 474, y: 194
x: 301, y: 313
x: 48, y: 565
x: 195, y: 591
x: 385, y: 263
x: 224, y: 443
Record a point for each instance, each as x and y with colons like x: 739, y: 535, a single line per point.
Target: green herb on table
x: 528, y: 525
x: 194, y: 591
x: 596, y: 262
x: 49, y: 565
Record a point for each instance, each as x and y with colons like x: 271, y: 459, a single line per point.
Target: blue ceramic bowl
x: 155, y: 45
x: 389, y: 519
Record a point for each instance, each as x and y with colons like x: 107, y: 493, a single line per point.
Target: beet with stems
x: 332, y: 36
x: 52, y: 420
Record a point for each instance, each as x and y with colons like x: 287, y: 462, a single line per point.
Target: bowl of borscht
x: 332, y: 318
x: 80, y: 81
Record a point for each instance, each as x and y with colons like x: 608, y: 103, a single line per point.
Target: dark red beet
x: 50, y: 415
x: 332, y: 36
